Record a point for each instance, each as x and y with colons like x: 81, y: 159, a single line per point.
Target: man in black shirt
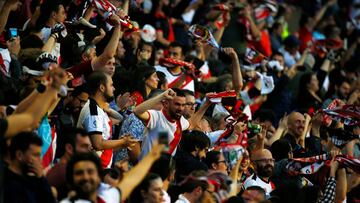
x: 24, y: 179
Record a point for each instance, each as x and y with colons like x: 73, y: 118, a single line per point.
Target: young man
x: 96, y: 122
x: 175, y: 76
x: 76, y: 141
x: 193, y: 190
x: 24, y: 179
x: 170, y: 119
x: 84, y: 175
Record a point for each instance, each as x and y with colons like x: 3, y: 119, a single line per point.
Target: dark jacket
x: 24, y: 189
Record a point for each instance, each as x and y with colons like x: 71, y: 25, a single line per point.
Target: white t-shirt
x: 254, y: 180
x: 158, y: 122
x: 187, y: 85
x: 182, y: 199
x: 95, y: 121
x: 105, y: 193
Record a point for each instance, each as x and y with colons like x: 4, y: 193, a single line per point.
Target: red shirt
x: 305, y: 37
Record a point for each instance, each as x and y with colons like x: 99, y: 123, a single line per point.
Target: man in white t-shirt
x: 95, y: 120
x: 175, y: 76
x: 264, y: 169
x: 170, y: 119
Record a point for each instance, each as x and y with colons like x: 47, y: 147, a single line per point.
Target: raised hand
x: 230, y: 52
x: 124, y: 101
x: 36, y: 167
x: 168, y: 94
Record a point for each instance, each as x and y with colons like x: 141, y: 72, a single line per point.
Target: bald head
x: 296, y: 124
x: 264, y: 163
x: 261, y: 154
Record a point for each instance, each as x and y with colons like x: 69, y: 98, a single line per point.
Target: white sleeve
x: 93, y: 124
x: 184, y: 123
x: 154, y: 117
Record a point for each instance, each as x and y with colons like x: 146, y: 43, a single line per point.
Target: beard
x: 175, y: 114
x: 85, y: 187
x: 108, y: 98
x: 266, y: 171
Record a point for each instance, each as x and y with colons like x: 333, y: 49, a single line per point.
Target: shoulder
x: 109, y: 193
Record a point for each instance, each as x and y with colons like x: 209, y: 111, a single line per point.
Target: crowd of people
x: 185, y: 101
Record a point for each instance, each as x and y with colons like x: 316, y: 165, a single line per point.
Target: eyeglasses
x: 265, y: 160
x: 223, y: 161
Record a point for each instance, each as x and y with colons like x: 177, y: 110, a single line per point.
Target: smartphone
x: 13, y: 32
x: 163, y: 138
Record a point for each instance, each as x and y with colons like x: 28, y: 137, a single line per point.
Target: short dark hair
x: 92, y: 157
x: 94, y: 81
x: 46, y: 9
x: 22, y: 142
x: 212, y: 157
x: 194, y: 139
x: 71, y: 133
x: 179, y: 92
x: 143, y: 43
x: 193, y: 181
x: 277, y: 53
x: 78, y: 90
x: 178, y: 44
x: 136, y: 195
x: 188, y: 92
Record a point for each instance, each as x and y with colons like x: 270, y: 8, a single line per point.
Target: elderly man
x: 295, y: 135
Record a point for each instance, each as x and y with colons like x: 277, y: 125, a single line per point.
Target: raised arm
x: 29, y: 114
x: 139, y: 171
x: 110, y: 49
x: 141, y: 110
x: 236, y: 73
x: 321, y: 13
x: 5, y: 11
x: 279, y: 131
x: 196, y: 118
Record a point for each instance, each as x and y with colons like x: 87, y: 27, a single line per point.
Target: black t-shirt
x: 26, y: 189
